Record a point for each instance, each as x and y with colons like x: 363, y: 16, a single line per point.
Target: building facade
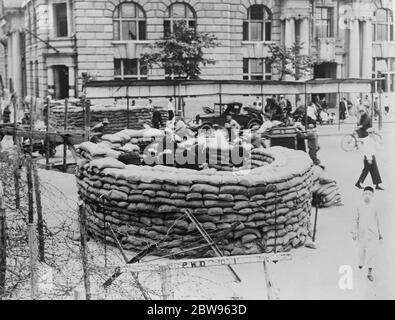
x: 48, y: 44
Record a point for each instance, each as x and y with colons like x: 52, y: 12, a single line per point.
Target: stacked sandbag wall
x: 325, y: 190
x: 117, y: 116
x: 146, y: 205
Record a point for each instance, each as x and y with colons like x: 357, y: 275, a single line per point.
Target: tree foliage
x: 290, y: 61
x: 181, y: 53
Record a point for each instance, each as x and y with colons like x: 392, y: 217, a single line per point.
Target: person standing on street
x: 376, y: 108
x: 367, y: 232
x: 366, y: 104
x: 370, y: 164
x: 171, y: 109
x: 343, y: 109
x: 312, y: 142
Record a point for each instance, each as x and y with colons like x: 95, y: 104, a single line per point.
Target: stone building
x: 61, y: 39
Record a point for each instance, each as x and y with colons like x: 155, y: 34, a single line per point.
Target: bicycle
x: 352, y: 141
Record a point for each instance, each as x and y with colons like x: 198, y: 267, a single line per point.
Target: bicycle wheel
x: 348, y: 143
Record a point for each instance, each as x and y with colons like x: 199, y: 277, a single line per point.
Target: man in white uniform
x: 367, y: 232
x: 171, y: 109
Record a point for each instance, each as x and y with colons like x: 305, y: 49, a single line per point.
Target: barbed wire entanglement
x: 61, y: 274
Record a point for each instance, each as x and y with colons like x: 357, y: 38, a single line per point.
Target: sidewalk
x: 350, y: 123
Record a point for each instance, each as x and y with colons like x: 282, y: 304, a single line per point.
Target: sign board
x: 207, y: 262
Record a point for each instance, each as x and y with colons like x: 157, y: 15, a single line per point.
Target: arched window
x: 258, y: 26
x: 383, y: 27
x: 179, y: 12
x: 129, y: 22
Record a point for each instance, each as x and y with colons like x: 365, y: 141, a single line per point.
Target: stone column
x: 51, y: 82
x: 17, y: 63
x: 289, y: 32
x: 9, y: 62
x: 72, y: 85
x: 354, y: 53
x: 289, y: 38
x: 305, y: 35
x: 367, y: 52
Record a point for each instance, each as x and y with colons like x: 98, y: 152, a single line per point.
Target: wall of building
x: 90, y: 45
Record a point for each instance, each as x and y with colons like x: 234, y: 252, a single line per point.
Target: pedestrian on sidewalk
x: 370, y: 163
x: 367, y: 232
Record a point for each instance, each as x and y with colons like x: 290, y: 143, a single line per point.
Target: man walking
x: 370, y: 164
x: 367, y: 232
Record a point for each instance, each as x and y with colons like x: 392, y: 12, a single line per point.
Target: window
x: 383, y: 27
x: 256, y: 69
x: 130, y: 69
x: 258, y: 26
x: 384, y: 68
x: 61, y: 25
x: 129, y: 22
x: 324, y: 22
x: 179, y: 12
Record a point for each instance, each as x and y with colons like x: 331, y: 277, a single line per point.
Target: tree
x: 289, y: 61
x: 181, y: 52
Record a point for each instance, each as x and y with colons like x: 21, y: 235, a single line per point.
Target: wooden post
x: 46, y: 135
x: 166, y: 288
x: 33, y: 261
x: 66, y: 110
x: 17, y: 186
x: 40, y: 219
x: 3, y: 243
x: 13, y: 101
x: 84, y: 255
x: 272, y: 293
x: 315, y: 221
x: 29, y: 177
x: 128, y: 106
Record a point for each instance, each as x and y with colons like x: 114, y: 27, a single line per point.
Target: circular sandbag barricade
x: 146, y: 205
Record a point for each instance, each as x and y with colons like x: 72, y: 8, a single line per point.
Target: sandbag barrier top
x: 118, y: 116
x: 146, y: 205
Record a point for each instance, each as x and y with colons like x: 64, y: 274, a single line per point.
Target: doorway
x: 326, y: 70
x: 61, y: 79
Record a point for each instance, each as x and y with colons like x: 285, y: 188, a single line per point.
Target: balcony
x: 326, y: 49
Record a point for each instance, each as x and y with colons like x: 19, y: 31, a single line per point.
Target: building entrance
x: 61, y: 77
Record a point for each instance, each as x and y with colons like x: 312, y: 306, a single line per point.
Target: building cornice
x: 295, y: 17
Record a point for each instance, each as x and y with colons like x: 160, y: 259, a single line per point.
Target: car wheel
x: 206, y: 127
x: 254, y: 125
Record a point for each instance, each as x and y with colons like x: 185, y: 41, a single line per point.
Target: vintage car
x: 246, y: 117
